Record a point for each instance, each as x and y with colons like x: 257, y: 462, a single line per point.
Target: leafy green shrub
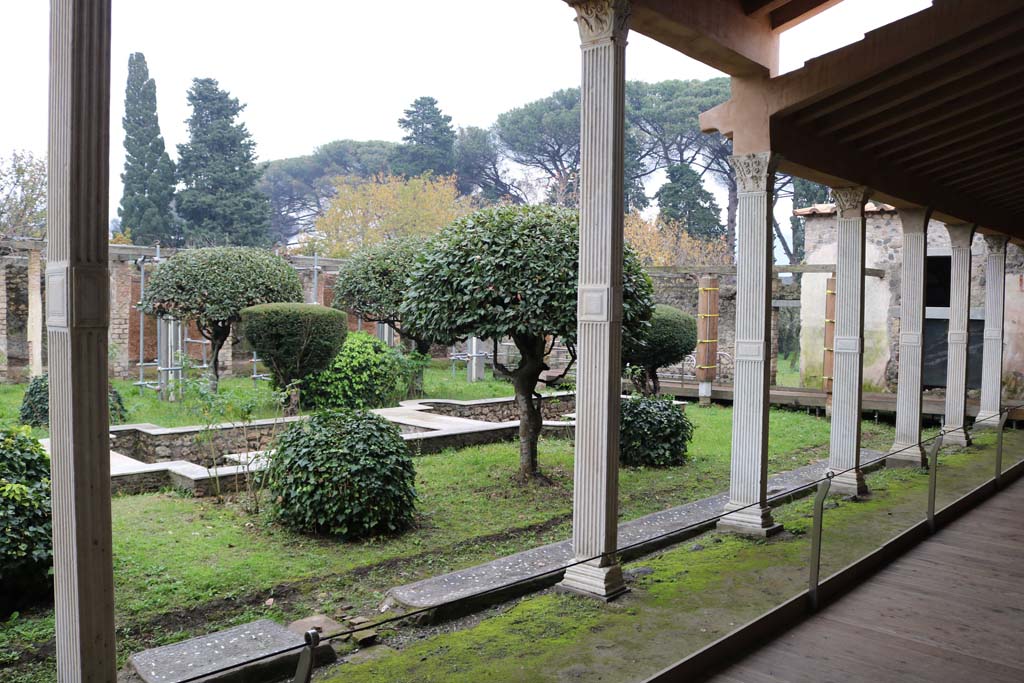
x: 35, y: 404
x: 294, y: 340
x: 343, y: 473
x: 211, y: 286
x: 671, y: 336
x: 365, y: 374
x: 654, y: 432
x: 26, y: 546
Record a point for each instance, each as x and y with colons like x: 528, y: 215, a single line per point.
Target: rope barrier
x: 828, y: 476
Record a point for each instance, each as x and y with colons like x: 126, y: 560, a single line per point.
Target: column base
x: 958, y: 436
x: 849, y: 484
x: 704, y: 393
x: 750, y: 521
x: 986, y: 420
x: 907, y: 455
x: 603, y: 583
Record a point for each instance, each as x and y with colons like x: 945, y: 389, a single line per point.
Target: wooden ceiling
x: 783, y: 14
x: 945, y: 128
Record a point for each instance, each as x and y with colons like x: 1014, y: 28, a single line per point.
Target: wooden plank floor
x: 814, y: 398
x: 951, y: 609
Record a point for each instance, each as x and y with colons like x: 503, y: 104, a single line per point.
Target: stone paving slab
x: 202, y: 656
x: 463, y: 587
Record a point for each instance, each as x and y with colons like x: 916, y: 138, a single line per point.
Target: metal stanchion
x: 815, y: 559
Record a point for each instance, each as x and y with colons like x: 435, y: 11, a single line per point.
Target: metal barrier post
x: 999, y: 449
x: 815, y: 559
x: 304, y: 672
x: 933, y: 477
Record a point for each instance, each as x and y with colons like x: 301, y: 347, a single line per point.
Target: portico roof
x: 927, y: 111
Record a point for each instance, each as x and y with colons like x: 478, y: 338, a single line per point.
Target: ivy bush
x: 654, y: 432
x: 343, y: 473
x: 26, y: 546
x: 35, y: 404
x: 364, y: 374
x: 294, y: 340
x: 670, y: 337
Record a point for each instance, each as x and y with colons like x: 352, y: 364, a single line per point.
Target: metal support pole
x: 933, y: 477
x: 999, y: 449
x: 316, y: 273
x: 815, y: 559
x: 304, y: 672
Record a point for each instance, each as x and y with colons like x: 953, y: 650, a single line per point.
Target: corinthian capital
x: 850, y: 200
x: 996, y: 243
x: 753, y: 170
x: 601, y: 19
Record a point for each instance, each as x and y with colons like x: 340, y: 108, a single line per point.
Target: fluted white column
x: 748, y: 478
x: 992, y: 360
x: 906, y: 449
x: 77, y: 317
x: 848, y: 370
x: 960, y: 236
x: 603, y: 26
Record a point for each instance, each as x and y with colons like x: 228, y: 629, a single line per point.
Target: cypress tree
x: 146, y: 205
x: 220, y: 202
x: 429, y: 141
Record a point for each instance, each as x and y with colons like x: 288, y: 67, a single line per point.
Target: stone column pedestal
x: 992, y: 361
x: 603, y: 26
x: 748, y: 477
x: 847, y: 381
x: 960, y: 237
x: 906, y: 450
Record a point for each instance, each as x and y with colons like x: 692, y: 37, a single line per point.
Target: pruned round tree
x: 512, y: 271
x: 372, y: 283
x: 211, y: 286
x: 294, y: 341
x: 670, y: 337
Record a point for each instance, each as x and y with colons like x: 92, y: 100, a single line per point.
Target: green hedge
x: 654, y: 432
x: 294, y: 340
x: 365, y: 374
x: 26, y: 547
x: 346, y: 474
x: 35, y: 404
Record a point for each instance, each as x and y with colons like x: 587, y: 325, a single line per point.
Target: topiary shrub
x: 35, y: 404
x: 654, y: 432
x: 211, y: 286
x: 294, y: 340
x: 365, y: 374
x: 343, y: 473
x: 671, y: 336
x: 26, y: 546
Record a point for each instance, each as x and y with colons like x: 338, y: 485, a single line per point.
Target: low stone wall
x: 150, y: 443
x: 553, y: 406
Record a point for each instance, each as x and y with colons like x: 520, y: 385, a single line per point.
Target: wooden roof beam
x: 716, y: 32
x: 798, y: 11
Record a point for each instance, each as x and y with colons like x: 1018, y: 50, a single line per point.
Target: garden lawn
x: 185, y: 566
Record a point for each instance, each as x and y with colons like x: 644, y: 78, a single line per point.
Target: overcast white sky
x: 312, y: 71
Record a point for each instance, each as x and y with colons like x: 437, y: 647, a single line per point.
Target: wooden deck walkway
x: 814, y: 398
x: 951, y: 609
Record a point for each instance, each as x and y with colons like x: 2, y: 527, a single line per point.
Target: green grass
x: 788, y: 374
x: 187, y: 566
x: 440, y: 382
x: 689, y: 596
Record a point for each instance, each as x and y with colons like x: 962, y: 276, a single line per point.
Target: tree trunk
x: 215, y: 346
x: 291, y: 409
x: 531, y: 420
x: 652, y: 375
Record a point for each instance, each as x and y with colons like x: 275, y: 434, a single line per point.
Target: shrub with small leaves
x: 671, y: 336
x: 294, y: 340
x: 365, y: 374
x: 654, y: 432
x: 343, y: 473
x: 35, y: 404
x: 26, y: 546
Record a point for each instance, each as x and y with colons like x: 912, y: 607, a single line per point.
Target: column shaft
x: 748, y: 483
x: 992, y: 360
x: 907, y: 449
x: 603, y: 26
x: 960, y: 236
x: 77, y: 291
x: 847, y: 382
